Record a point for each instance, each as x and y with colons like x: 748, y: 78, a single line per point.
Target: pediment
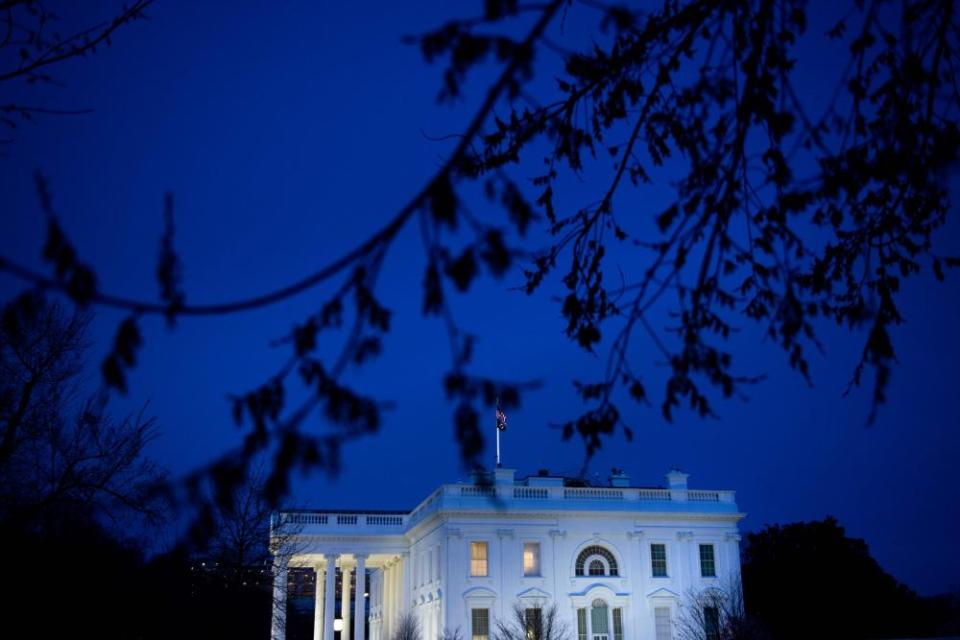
x: 663, y: 592
x: 479, y: 592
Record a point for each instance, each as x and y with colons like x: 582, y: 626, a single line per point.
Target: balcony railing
x: 461, y: 496
x: 697, y: 495
x: 592, y: 493
x: 341, y: 519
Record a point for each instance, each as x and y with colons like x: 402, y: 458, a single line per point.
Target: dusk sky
x: 287, y: 131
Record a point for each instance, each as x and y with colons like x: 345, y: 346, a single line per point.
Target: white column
x: 359, y: 625
x: 318, y: 605
x: 392, y: 599
x: 385, y: 602
x: 328, y: 596
x: 376, y: 604
x: 279, y: 626
x: 384, y: 599
x: 345, y: 600
x: 406, y: 582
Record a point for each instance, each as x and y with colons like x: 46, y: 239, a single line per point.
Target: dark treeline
x: 81, y: 580
x: 809, y: 580
x: 801, y: 580
x: 84, y: 512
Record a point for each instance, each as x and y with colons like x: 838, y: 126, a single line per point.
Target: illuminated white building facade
x: 617, y: 560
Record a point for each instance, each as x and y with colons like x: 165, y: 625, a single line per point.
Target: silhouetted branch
x: 702, y: 88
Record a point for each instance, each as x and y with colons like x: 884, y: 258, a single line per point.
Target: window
x: 479, y: 624
x: 658, y: 560
x: 592, y: 554
x: 618, y: 624
x: 599, y: 626
x: 708, y: 566
x: 531, y: 558
x: 711, y: 623
x: 581, y: 624
x: 533, y: 622
x: 478, y: 559
x: 596, y: 568
x: 661, y: 623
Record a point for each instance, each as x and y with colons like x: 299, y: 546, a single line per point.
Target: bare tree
x: 532, y: 621
x: 239, y: 547
x: 450, y: 634
x: 407, y: 628
x: 246, y: 538
x: 716, y: 613
x: 63, y: 456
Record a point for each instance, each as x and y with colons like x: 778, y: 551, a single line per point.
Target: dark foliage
x: 32, y: 46
x: 782, y: 218
x: 808, y: 580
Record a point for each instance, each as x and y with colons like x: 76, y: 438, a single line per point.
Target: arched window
x: 593, y: 622
x: 596, y: 558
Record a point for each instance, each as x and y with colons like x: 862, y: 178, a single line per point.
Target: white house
x: 617, y: 559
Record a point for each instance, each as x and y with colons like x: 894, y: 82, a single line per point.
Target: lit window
x: 478, y: 559
x: 661, y: 623
x: 531, y: 558
x: 596, y: 568
x: 658, y: 560
x: 708, y: 566
x: 533, y: 621
x: 480, y: 624
x: 711, y: 623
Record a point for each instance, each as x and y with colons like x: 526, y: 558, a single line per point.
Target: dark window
x: 711, y: 623
x: 708, y: 566
x: 480, y: 624
x: 658, y: 560
x: 618, y: 624
x: 533, y: 617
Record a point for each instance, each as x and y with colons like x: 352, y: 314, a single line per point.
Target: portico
x: 374, y: 549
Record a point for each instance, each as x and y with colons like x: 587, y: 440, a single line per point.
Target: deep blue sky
x: 286, y: 131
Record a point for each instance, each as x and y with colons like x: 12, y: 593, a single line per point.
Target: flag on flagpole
x: 501, y: 417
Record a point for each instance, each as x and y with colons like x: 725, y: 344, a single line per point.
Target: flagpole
x: 501, y: 425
